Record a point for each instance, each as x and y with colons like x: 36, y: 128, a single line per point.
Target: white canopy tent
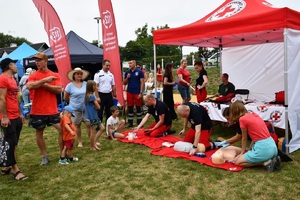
x: 260, y: 42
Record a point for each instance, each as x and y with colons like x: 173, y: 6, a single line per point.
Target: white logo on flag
x: 55, y: 34
x: 107, y: 21
x: 230, y: 9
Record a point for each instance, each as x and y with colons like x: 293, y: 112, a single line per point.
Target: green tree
x: 7, y: 40
x: 141, y: 49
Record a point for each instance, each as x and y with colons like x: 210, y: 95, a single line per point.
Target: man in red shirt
x: 46, y: 84
x: 11, y: 119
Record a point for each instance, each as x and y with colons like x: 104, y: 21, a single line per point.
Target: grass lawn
x: 129, y: 171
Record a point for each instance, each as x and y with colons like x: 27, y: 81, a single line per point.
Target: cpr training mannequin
x: 186, y: 147
x: 227, y: 154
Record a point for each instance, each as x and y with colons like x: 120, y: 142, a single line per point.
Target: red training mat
x: 150, y: 142
x: 170, y: 152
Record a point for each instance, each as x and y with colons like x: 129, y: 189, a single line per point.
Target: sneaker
x: 270, y: 164
x: 75, y: 159
x: 45, y: 161
x: 63, y: 161
x: 277, y: 165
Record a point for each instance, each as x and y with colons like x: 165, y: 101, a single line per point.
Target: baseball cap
x: 5, y: 62
x: 41, y: 55
x: 69, y: 109
x: 28, y: 70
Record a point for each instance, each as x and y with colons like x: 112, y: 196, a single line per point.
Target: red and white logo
x: 215, y: 105
x: 230, y: 9
x: 107, y: 21
x: 275, y: 116
x: 262, y: 108
x: 55, y: 34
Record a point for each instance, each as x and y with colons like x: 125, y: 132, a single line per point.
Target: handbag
x: 4, y: 150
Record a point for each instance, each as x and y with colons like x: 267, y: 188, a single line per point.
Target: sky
x: 20, y: 18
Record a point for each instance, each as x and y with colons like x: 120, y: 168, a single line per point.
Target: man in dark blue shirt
x: 134, y: 79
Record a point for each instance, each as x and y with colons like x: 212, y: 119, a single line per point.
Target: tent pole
x: 286, y: 92
x: 154, y: 66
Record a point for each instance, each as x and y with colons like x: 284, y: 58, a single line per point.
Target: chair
x: 242, y: 92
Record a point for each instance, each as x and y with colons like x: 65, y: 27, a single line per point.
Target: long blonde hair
x: 89, y: 90
x: 236, y: 110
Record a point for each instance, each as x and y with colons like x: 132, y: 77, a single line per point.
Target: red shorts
x: 158, y: 131
x: 69, y: 144
x: 201, y: 95
x: 133, y: 99
x: 204, y: 137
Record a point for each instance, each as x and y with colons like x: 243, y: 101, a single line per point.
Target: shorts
x: 113, y: 133
x: 69, y: 144
x: 261, y: 151
x: 133, y: 99
x: 184, y: 91
x: 95, y: 122
x: 79, y: 117
x: 204, y: 137
x: 41, y: 121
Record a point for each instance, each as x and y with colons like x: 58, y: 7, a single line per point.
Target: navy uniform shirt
x: 198, y: 115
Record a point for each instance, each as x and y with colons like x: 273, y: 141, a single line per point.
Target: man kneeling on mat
x: 160, y: 111
x: 200, y: 125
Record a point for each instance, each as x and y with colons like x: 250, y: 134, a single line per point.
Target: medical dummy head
x: 200, y: 148
x: 218, y: 158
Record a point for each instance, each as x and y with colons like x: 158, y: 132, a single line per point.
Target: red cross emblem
x: 262, y: 108
x: 275, y: 116
x: 225, y: 11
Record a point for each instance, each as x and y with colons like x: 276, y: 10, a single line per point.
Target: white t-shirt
x: 105, y: 80
x: 113, y: 122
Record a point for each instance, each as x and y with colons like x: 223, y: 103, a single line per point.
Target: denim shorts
x: 184, y: 91
x: 79, y: 117
x: 261, y: 151
x: 41, y: 121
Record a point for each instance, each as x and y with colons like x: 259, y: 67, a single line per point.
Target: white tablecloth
x: 269, y: 112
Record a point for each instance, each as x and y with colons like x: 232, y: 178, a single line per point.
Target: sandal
x: 21, y: 178
x: 5, y: 171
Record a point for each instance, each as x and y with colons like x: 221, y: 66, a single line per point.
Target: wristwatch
x: 194, y: 147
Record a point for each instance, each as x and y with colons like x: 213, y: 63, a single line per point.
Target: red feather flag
x: 56, y: 37
x: 111, y: 45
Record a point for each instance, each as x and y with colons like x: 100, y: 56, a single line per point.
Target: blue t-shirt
x: 76, y: 96
x: 90, y: 110
x: 134, y: 82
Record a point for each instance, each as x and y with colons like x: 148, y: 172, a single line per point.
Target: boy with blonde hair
x: 69, y: 133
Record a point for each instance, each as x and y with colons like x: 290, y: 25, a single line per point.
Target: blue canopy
x: 23, y: 51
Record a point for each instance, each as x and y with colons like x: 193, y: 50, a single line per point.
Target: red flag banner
x: 111, y: 45
x: 56, y: 37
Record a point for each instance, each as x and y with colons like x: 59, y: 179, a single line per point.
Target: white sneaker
x: 63, y: 161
